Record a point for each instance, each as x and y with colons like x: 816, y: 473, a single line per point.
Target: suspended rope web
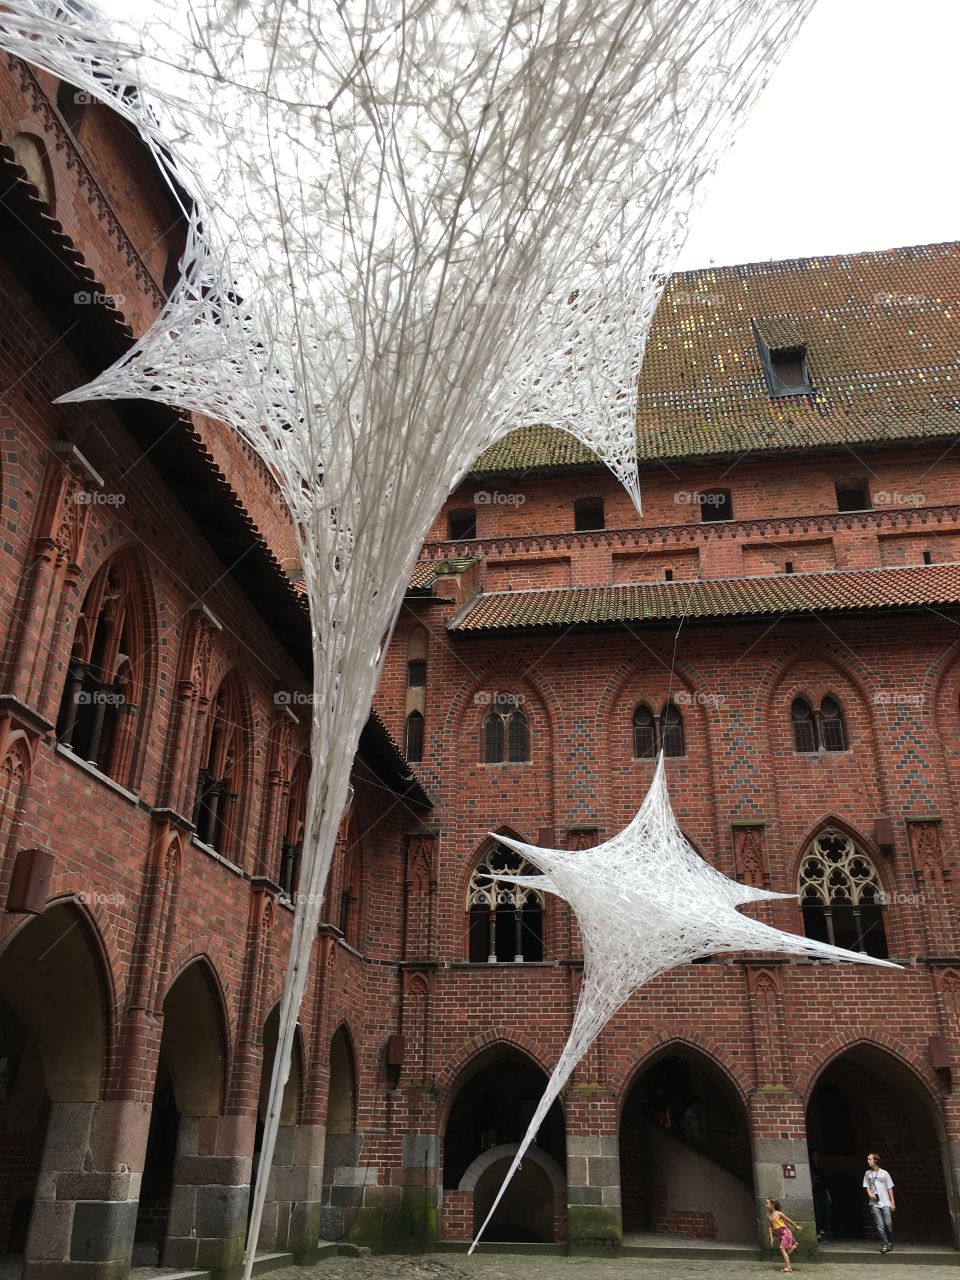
x: 413, y: 228
x: 645, y: 901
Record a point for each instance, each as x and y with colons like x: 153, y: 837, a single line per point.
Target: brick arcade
x: 796, y: 431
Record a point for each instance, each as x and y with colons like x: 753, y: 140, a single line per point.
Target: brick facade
x: 135, y: 1009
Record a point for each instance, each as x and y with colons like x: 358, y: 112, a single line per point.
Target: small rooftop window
x: 715, y: 505
x: 784, y: 368
x: 462, y: 524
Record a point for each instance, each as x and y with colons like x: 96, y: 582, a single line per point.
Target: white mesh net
x: 413, y: 229
x: 645, y: 902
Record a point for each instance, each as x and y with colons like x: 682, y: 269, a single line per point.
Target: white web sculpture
x: 645, y: 901
x: 414, y: 228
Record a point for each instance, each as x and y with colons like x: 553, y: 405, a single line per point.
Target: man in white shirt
x: 879, y: 1188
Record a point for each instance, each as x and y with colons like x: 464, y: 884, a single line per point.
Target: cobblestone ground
x: 519, y: 1267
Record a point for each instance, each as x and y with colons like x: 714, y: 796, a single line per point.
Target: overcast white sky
x: 868, y: 93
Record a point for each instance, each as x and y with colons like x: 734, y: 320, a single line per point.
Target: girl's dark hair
x: 775, y: 1203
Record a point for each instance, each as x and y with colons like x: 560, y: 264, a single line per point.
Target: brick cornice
x: 670, y: 535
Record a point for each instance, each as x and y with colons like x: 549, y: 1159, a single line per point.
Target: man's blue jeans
x: 883, y: 1220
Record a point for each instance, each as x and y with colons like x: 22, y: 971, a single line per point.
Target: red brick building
x: 796, y: 430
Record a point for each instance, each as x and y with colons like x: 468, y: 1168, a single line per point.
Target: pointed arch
x: 342, y: 1090
x: 195, y: 1040
x: 223, y: 781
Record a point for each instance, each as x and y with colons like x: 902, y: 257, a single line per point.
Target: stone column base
x: 594, y: 1219
x: 207, y: 1222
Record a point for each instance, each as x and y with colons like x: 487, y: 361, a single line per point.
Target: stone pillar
x: 210, y: 1198
x: 291, y: 1213
x: 343, y: 1182
x: 422, y: 1160
x: 781, y: 1165
x: 85, y: 1209
x: 594, y: 1221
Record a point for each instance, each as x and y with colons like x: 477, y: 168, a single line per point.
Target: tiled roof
x: 881, y: 332
x: 889, y: 588
x: 426, y: 572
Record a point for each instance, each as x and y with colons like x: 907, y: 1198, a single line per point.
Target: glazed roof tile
x: 795, y: 593
x: 881, y: 332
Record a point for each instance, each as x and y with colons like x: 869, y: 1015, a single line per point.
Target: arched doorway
x: 53, y: 1037
x: 867, y: 1100
x: 489, y: 1113
x: 686, y: 1166
x: 275, y: 1224
x: 188, y: 1086
x: 342, y: 1193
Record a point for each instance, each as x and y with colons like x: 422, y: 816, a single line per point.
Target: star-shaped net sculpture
x: 413, y: 229
x: 645, y: 901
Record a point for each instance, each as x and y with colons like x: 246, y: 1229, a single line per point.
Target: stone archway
x: 342, y: 1176
x: 490, y: 1107
x: 686, y: 1165
x: 867, y: 1100
x: 193, y: 1201
x: 58, y: 1138
x: 535, y: 1194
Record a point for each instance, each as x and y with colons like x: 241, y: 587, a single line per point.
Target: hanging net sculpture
x: 645, y: 901
x: 413, y: 229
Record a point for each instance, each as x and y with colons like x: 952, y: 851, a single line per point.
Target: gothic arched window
x: 505, y: 921
x: 671, y: 731
x: 644, y: 733
x: 822, y: 730
x: 100, y: 705
x: 841, y: 895
x: 506, y: 732
x: 413, y: 738
x: 296, y: 816
x: 221, y: 777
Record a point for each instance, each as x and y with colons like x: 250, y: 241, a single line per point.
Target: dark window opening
x: 822, y: 730
x: 416, y: 673
x: 788, y: 366
x: 831, y: 726
x: 852, y: 496
x: 927, y: 558
x: 461, y: 524
x: 668, y: 575
x: 788, y: 567
x: 804, y: 729
x: 72, y: 103
x: 506, y: 732
x: 414, y: 738
x: 588, y: 514
x: 652, y: 734
x: 715, y: 505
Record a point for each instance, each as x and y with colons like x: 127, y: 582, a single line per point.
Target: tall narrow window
x: 99, y: 709
x: 644, y: 733
x: 506, y: 732
x: 349, y: 918
x: 671, y: 731
x: 588, y: 514
x: 296, y: 817
x: 220, y: 780
x: 832, y: 732
x: 416, y: 673
x: 841, y: 895
x: 804, y: 729
x: 414, y: 738
x: 505, y: 921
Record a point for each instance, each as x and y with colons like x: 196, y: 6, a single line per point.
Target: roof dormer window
x: 784, y: 368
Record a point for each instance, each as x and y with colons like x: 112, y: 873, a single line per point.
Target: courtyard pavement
x: 525, y: 1267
